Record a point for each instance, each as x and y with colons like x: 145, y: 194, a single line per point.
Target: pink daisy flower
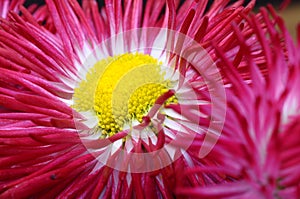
x: 112, y: 102
x: 257, y: 151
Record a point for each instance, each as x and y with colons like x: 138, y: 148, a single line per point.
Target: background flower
x: 258, y: 146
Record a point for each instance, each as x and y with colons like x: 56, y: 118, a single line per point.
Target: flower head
x: 111, y: 103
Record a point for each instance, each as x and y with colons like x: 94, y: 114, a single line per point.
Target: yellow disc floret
x: 121, y: 89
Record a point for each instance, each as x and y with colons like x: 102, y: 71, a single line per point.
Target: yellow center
x: 121, y: 89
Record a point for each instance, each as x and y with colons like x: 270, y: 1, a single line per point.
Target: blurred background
x: 291, y: 14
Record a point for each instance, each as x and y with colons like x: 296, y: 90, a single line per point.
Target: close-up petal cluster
x: 148, y: 99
